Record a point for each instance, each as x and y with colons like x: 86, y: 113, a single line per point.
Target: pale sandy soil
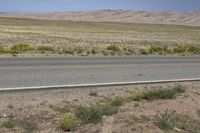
x: 34, y: 106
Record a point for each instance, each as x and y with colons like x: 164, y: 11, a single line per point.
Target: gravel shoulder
x: 34, y: 106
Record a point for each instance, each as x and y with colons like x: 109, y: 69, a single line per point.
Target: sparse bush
x: 117, y: 101
x: 136, y: 105
x: 45, y: 48
x: 143, y: 52
x: 2, y: 50
x: 79, y: 49
x: 94, y: 51
x: 10, y: 106
x: 113, y: 48
x: 198, y: 112
x: 169, y: 120
x: 166, y: 120
x: 56, y: 107
x: 20, y: 48
x: 179, y: 49
x: 30, y: 127
x: 89, y: 114
x: 68, y: 51
x: 68, y: 122
x: 141, y: 119
x: 93, y: 93
x: 194, y: 50
x: 156, y: 49
x: 63, y: 109
x: 109, y: 110
x: 158, y: 94
x: 7, y: 123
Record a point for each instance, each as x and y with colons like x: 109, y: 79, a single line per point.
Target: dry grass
x: 91, y: 37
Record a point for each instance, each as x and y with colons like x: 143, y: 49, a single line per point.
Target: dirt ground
x: 34, y: 106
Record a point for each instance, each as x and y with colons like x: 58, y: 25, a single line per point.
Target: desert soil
x: 33, y: 106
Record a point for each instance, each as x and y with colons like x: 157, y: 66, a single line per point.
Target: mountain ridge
x: 107, y: 15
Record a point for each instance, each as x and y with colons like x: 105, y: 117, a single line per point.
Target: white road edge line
x: 96, y: 85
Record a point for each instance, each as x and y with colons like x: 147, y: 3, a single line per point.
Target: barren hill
x: 168, y: 17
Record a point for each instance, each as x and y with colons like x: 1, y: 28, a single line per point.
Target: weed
x: 89, y: 114
x: 141, y: 119
x: 20, y: 48
x: 194, y: 50
x: 10, y: 106
x: 7, y: 123
x: 68, y: 122
x: 117, y: 101
x: 63, y: 109
x: 198, y: 112
x: 109, y: 110
x: 156, y: 49
x: 68, y: 51
x: 158, y: 94
x: 45, y: 48
x: 169, y: 120
x: 93, y: 93
x: 94, y: 51
x: 54, y: 107
x: 143, y: 52
x: 179, y: 49
x: 113, y: 48
x: 166, y: 120
x: 30, y: 127
x: 136, y: 105
x: 2, y: 50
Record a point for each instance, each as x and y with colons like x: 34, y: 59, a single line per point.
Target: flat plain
x: 59, y: 33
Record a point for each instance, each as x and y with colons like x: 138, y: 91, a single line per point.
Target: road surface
x: 47, y: 71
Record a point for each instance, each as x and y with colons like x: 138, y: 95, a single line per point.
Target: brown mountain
x: 168, y: 17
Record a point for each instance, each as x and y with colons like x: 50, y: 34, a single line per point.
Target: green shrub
x: 141, y: 119
x: 198, y: 112
x: 194, y: 50
x: 143, y: 52
x: 46, y: 48
x: 68, y: 122
x: 179, y: 49
x: 109, y: 110
x: 55, y: 107
x: 79, y: 49
x: 113, y: 48
x: 7, y: 123
x: 1, y: 49
x: 93, y: 93
x: 156, y: 49
x: 94, y: 51
x: 89, y: 114
x: 20, y: 48
x: 158, y: 94
x: 68, y: 51
x: 117, y: 101
x: 30, y: 127
x: 166, y: 120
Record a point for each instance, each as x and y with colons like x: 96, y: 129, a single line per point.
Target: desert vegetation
x: 110, y: 50
x: 22, y: 36
x: 154, y: 108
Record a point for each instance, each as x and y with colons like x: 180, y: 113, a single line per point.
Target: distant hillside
x: 169, y: 17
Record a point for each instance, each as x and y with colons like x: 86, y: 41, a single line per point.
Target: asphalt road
x: 46, y: 71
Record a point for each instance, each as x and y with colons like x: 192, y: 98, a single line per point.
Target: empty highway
x: 47, y: 71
